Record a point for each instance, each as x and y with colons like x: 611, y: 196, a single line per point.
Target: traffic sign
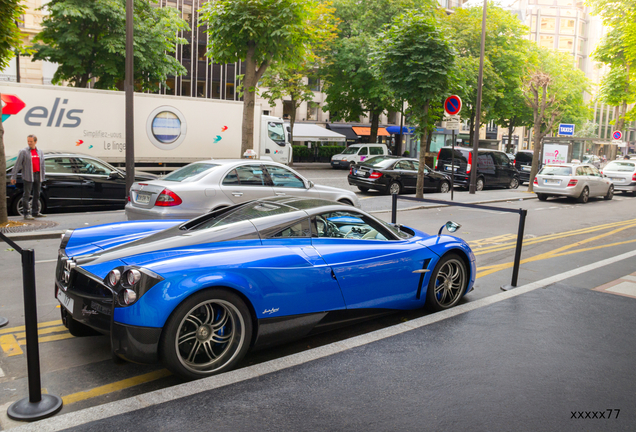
x: 453, y: 105
x: 452, y: 123
x: 566, y: 129
x: 617, y: 135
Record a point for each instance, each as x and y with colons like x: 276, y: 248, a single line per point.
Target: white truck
x: 170, y: 131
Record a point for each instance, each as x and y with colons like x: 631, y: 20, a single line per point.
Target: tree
x: 553, y: 88
x: 10, y: 39
x: 416, y: 41
x: 352, y: 88
x: 88, y: 40
x: 258, y: 33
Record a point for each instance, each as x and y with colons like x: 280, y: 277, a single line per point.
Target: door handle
x: 280, y: 193
x: 237, y: 194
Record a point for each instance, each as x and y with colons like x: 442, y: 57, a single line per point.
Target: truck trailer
x: 170, y: 131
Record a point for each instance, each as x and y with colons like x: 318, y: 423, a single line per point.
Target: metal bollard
x: 515, y: 268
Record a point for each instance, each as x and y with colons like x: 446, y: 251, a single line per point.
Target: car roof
x: 470, y: 149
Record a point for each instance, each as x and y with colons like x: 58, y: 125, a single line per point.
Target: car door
x: 486, y: 167
x: 285, y: 181
x: 504, y: 169
x: 363, y: 154
x: 99, y: 186
x: 407, y: 174
x: 372, y: 268
x: 598, y: 184
x: 246, y: 182
x: 63, y: 185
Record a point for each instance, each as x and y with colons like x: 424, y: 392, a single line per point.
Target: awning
x: 343, y: 129
x: 364, y: 130
x: 312, y: 132
x: 395, y: 130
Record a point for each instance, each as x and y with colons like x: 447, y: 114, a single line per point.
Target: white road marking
x: 168, y: 394
x: 1, y: 373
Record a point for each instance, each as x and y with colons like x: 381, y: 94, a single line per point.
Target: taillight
x: 375, y: 175
x: 514, y: 162
x: 633, y: 177
x: 572, y: 182
x: 438, y: 153
x: 128, y: 198
x: 350, y: 170
x: 470, y: 163
x: 167, y: 198
x: 535, y: 181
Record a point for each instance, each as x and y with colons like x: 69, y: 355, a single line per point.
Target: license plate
x: 616, y: 179
x: 526, y: 168
x: 65, y: 300
x: 143, y: 198
x: 450, y: 168
x: 359, y: 173
x: 335, y: 162
x: 551, y: 181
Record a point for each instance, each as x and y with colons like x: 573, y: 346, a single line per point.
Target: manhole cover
x: 29, y: 225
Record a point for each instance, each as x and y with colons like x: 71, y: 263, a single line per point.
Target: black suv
x: 494, y: 168
x: 523, y: 163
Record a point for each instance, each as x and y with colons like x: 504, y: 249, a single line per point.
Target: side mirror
x: 311, y: 184
x: 450, y: 226
x: 113, y: 175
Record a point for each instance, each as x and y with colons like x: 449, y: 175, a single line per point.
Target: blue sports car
x: 197, y: 295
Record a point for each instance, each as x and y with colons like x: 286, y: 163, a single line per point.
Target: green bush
x: 302, y: 151
x: 328, y: 151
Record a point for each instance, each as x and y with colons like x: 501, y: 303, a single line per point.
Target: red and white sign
x: 452, y: 105
x: 617, y: 135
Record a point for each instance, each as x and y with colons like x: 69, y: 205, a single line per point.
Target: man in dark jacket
x: 31, y: 162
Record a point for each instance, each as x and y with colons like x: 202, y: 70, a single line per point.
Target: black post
x: 480, y: 81
x: 515, y: 268
x: 130, y: 90
x: 36, y: 406
x: 453, y: 164
x: 394, y: 198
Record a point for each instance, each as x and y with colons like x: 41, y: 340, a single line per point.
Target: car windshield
x: 11, y: 162
x: 556, y: 170
x: 620, y: 166
x: 588, y: 158
x: 379, y: 162
x: 275, y: 132
x: 190, y: 172
x: 351, y: 150
x: 251, y: 210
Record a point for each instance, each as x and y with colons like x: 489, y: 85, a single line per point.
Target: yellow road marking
x: 10, y: 345
x: 46, y: 330
x: 49, y: 338
x: 116, y: 386
x: 21, y: 328
x: 495, y: 240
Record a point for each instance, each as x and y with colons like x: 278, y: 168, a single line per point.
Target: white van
x: 357, y: 153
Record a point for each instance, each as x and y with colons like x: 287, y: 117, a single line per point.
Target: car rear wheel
x: 17, y: 208
x: 207, y: 334
x: 395, y: 188
x: 363, y: 189
x: 448, y: 283
x: 610, y: 193
x: 514, y: 183
x: 585, y: 195
x: 479, y: 184
x: 542, y: 197
x: 444, y: 187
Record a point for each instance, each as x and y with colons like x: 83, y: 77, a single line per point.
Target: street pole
x: 129, y: 88
x: 480, y: 81
x: 453, y: 164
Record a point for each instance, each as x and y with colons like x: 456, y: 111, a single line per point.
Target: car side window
x: 404, y: 165
x: 282, y: 177
x: 363, y: 151
x: 300, y: 229
x: 416, y: 165
x: 502, y: 159
x: 376, y: 150
x: 580, y: 171
x: 59, y: 166
x: 594, y: 171
x: 91, y: 166
x: 231, y: 178
x: 347, y: 225
x: 251, y: 175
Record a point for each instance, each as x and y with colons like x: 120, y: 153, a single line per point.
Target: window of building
x: 546, y: 42
x: 288, y: 108
x: 186, y: 89
x: 565, y: 2
x: 568, y: 12
x: 392, y: 117
x: 201, y: 88
x: 566, y: 43
x: 567, y: 26
x: 533, y: 25
x: 314, y: 84
x: 548, y: 25
x: 545, y: 2
x: 312, y: 111
x: 581, y: 45
x: 581, y: 28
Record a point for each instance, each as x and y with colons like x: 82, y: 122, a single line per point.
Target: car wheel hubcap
x: 480, y: 185
x: 210, y: 336
x: 444, y: 188
x: 449, y: 283
x: 395, y: 189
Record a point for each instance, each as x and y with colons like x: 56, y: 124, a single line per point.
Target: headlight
x: 127, y: 297
x: 113, y: 277
x: 132, y: 276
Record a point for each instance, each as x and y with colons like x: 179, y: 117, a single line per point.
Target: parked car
x: 494, y: 169
x: 622, y: 174
x: 394, y: 175
x: 197, y: 295
x: 74, y: 180
x: 592, y: 160
x: 523, y: 164
x: 580, y: 181
x: 357, y: 153
x: 208, y: 185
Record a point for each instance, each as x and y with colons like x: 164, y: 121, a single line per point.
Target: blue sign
x: 566, y: 129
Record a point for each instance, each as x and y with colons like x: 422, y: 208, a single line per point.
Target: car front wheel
x: 444, y: 187
x: 610, y: 193
x: 207, y: 334
x: 448, y: 283
x: 514, y: 183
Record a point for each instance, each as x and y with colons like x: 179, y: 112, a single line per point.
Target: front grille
x: 85, y: 286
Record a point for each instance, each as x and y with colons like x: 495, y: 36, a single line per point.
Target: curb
x: 45, y: 235
x: 422, y: 207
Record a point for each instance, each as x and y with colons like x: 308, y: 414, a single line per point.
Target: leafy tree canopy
x: 88, y: 40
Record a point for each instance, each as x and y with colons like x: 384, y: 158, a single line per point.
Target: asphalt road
x: 560, y: 235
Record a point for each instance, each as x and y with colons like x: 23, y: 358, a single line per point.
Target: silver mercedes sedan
x: 622, y: 173
x: 580, y: 181
x: 208, y: 185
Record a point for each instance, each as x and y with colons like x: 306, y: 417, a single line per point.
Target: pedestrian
x: 31, y: 162
x: 626, y: 157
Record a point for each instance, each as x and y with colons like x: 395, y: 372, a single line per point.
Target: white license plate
x: 551, y: 181
x: 143, y: 198
x: 450, y: 168
x: 526, y: 168
x: 616, y: 179
x: 359, y: 173
x: 65, y: 300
